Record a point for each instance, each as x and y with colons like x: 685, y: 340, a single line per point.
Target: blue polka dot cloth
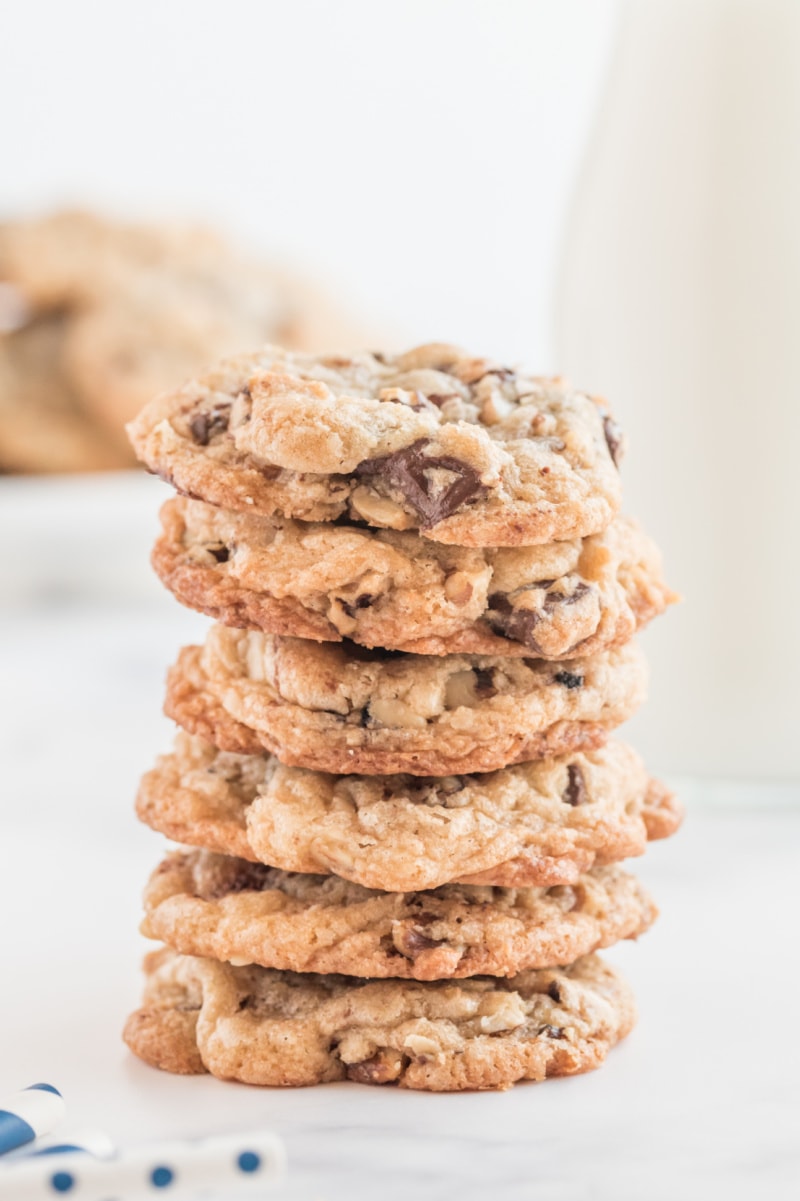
x: 226, y: 1166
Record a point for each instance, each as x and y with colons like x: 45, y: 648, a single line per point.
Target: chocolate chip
x: 361, y: 602
x: 569, y: 679
x: 575, y: 793
x: 424, y: 917
x: 552, y: 1031
x: 554, y: 993
x: 244, y: 877
x: 376, y: 1070
x: 519, y: 624
x: 412, y: 941
x: 206, y: 425
x: 484, y: 683
x: 408, y: 471
x: 440, y: 398
x: 220, y: 553
x: 614, y: 438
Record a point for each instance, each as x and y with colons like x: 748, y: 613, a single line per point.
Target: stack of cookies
x: 402, y: 811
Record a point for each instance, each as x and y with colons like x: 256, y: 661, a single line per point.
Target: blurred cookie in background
x: 96, y: 317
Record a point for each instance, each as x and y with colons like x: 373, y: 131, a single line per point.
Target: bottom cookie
x: 276, y: 1028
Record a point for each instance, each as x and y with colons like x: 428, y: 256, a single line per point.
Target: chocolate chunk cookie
x: 465, y: 451
x: 344, y: 709
x: 385, y: 588
x: 211, y: 905
x: 537, y: 824
x: 279, y: 1028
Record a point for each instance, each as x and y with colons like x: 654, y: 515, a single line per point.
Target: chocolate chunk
x: 569, y: 679
x: 554, y: 993
x: 519, y: 624
x: 408, y: 471
x: 205, y: 426
x: 614, y: 438
x: 411, y: 941
x: 484, y: 683
x: 378, y: 1069
x: 220, y: 553
x: 575, y: 793
x: 361, y: 602
x: 245, y: 877
x: 552, y: 1032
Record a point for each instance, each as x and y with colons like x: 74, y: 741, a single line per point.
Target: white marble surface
x: 700, y: 1102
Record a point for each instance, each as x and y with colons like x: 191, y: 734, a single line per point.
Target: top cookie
x: 466, y: 451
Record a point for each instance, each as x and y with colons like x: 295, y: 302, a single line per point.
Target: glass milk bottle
x: 679, y: 298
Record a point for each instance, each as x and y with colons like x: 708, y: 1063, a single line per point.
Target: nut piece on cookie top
x: 463, y: 450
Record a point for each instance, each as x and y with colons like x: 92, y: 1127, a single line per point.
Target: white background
x: 418, y: 156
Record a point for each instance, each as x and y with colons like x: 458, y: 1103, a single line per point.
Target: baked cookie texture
x: 43, y: 426
x: 278, y: 1028
x: 98, y: 316
x: 385, y: 588
x: 340, y: 708
x: 219, y: 907
x: 534, y: 825
x: 464, y: 450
